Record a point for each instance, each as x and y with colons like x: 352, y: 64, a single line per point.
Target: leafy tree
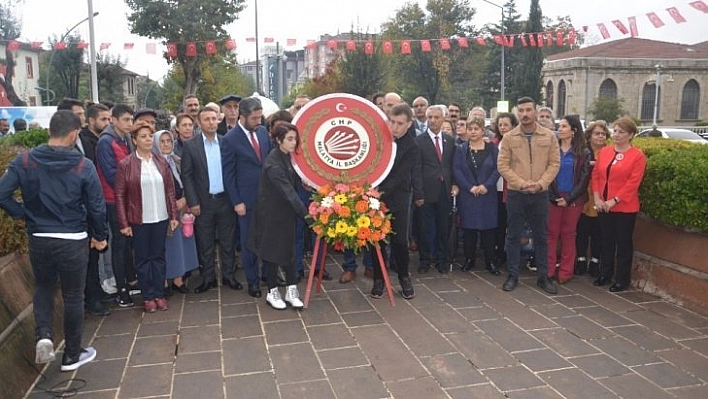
x: 329, y: 82
x: 185, y: 20
x: 149, y: 94
x: 10, y: 28
x: 607, y: 109
x: 110, y: 70
x: 527, y: 79
x: 64, y: 68
x: 563, y: 24
x: 360, y: 73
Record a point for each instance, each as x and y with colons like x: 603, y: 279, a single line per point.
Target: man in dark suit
x: 243, y: 152
x: 209, y: 202
x: 229, y: 107
x: 436, y: 151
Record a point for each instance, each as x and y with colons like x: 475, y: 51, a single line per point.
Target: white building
x: 26, y: 75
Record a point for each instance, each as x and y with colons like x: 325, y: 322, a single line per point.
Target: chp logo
x: 345, y: 139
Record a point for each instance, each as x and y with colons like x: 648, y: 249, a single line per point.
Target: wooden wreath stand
x: 313, y: 266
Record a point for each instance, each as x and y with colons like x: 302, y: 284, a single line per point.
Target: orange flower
x: 383, y: 208
x: 376, y: 236
x: 361, y: 206
x: 361, y: 243
x: 318, y: 229
x: 324, y: 218
x: 344, y: 212
x: 323, y: 190
x: 363, y: 233
x: 376, y: 221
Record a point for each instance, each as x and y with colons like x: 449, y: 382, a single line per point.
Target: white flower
x: 327, y: 202
x: 374, y: 203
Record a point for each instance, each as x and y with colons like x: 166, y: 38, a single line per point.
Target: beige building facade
x: 629, y: 69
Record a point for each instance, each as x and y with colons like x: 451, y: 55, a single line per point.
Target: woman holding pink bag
x: 181, y: 248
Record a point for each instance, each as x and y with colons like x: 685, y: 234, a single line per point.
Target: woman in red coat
x: 618, y: 172
x: 146, y: 210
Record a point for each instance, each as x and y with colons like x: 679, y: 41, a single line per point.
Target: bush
x: 13, y: 237
x: 27, y: 139
x: 675, y: 182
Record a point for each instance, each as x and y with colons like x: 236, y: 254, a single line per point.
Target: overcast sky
x: 308, y: 19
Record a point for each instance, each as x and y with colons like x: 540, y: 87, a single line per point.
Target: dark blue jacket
x: 59, y: 189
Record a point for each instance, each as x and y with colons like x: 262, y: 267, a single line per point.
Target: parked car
x: 678, y: 134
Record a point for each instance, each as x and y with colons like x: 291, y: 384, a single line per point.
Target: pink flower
x: 336, y: 206
x: 312, y: 210
x: 342, y: 188
x: 373, y: 192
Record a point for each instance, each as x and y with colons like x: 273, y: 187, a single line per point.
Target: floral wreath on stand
x: 349, y: 217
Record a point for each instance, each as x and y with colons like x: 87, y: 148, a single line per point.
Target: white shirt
x: 440, y: 139
x: 153, y: 191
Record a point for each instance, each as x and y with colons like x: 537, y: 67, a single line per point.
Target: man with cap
x: 145, y: 114
x: 229, y: 107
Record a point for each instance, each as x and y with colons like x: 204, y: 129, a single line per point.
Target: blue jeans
x: 66, y: 260
x: 531, y: 210
x: 349, y: 264
x: 149, y: 244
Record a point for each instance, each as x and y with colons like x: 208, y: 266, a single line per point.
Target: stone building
x: 628, y: 69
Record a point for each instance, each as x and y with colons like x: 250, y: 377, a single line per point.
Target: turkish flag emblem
x: 559, y: 37
x: 634, y: 32
x: 190, y: 49
x: 230, y: 44
x: 291, y: 42
x: 532, y: 39
x: 351, y: 45
x: 655, y: 20
x: 676, y: 15
x: 481, y: 41
x: 13, y: 45
x: 387, y: 47
x: 171, y: 50
x: 620, y: 26
x: 104, y: 46
x: 210, y: 47
x: 603, y: 31
x: 445, y: 44
x: 700, y: 6
x: 369, y: 48
x: 462, y: 42
x: 571, y: 36
x: 59, y: 46
x: 499, y: 40
x: 524, y: 42
x: 311, y: 44
x: 81, y: 45
x: 36, y: 45
x: 332, y: 44
x: 128, y: 46
x: 406, y: 47
x: 539, y: 39
x: 425, y: 45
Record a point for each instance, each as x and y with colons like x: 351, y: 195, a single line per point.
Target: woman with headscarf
x: 181, y: 248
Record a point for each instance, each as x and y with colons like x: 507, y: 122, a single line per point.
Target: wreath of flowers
x: 349, y: 217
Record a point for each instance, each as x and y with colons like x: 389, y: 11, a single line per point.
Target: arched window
x: 689, y: 100
x: 549, y: 94
x: 608, y: 89
x: 648, y: 95
x: 560, y: 110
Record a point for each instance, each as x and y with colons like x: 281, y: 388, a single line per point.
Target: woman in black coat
x: 277, y: 210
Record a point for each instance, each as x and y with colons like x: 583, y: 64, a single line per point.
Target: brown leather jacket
x: 129, y: 200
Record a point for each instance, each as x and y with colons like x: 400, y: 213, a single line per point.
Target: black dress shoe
x: 182, y: 289
x: 325, y: 275
x: 510, y: 283
x: 469, y: 265
x: 617, y: 287
x: 232, y: 283
x: 443, y: 268
x: 547, y: 285
x: 254, y: 290
x: 423, y: 269
x: 97, y: 309
x: 602, y: 280
x: 493, y: 268
x: 205, y: 286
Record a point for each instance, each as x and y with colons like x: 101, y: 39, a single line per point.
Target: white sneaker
x: 44, y: 351
x: 86, y: 355
x: 292, y: 296
x: 273, y: 299
x: 109, y: 286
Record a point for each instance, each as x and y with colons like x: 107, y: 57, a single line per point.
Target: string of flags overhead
x: 405, y: 46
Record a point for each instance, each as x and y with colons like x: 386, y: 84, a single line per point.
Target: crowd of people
x: 220, y: 182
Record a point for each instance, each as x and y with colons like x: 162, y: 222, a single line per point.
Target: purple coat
x: 478, y: 213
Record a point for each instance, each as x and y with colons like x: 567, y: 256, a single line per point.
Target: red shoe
x: 150, y: 306
x: 162, y: 304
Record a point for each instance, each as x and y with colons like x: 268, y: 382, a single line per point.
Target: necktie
x: 437, y: 147
x: 256, y: 147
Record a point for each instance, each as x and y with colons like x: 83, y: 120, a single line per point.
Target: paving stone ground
x: 461, y: 337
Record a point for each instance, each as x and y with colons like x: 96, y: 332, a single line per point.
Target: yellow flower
x: 363, y: 221
x: 341, y: 227
x: 351, y: 231
x: 341, y: 198
x: 331, y: 233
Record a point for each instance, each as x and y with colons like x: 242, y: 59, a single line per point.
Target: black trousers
x: 470, y: 244
x: 217, y: 219
x: 121, y: 250
x: 271, y: 270
x: 400, y: 256
x: 93, y: 291
x: 588, y: 236
x: 500, y: 231
x: 617, y: 231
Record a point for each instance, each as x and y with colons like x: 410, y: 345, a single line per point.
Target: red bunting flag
x: 524, y: 42
x: 81, y: 45
x: 549, y: 38
x: 59, y: 46
x: 369, y: 47
x: 268, y: 40
x: 406, y: 47
x: 585, y: 28
x: 210, y: 47
x: 571, y: 36
x: 462, y: 42
x: 387, y: 47
x: 498, y: 39
x: 292, y: 42
x: 311, y: 44
x: 128, y: 46
x: 351, y: 45
x: 532, y: 40
x: 332, y: 44
x: 104, y: 46
x: 191, y: 49
x: 36, y: 45
x: 539, y: 39
x: 445, y: 44
x: 151, y: 48
x: 676, y: 15
x: 13, y: 45
x: 425, y: 46
x: 481, y: 41
x: 633, y: 26
x: 510, y: 40
x: 250, y: 39
x: 603, y: 31
x: 171, y: 50
x: 700, y: 6
x: 559, y: 37
x: 620, y: 26
x: 230, y: 44
x: 655, y: 20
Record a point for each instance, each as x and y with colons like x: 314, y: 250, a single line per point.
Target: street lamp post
x: 258, y: 69
x: 51, y: 58
x: 503, y: 49
x: 92, y: 54
x: 657, y: 85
